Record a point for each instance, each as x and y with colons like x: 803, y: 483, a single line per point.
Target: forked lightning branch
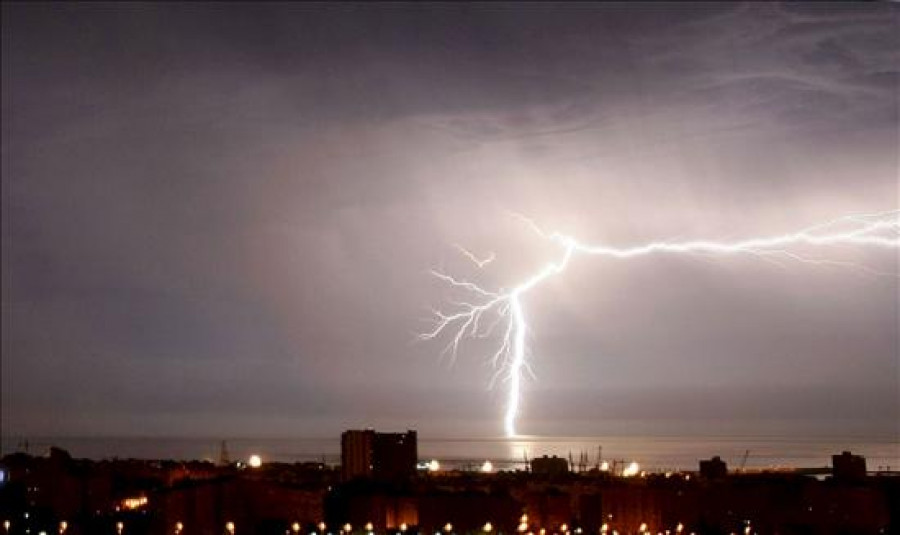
x: 484, y: 309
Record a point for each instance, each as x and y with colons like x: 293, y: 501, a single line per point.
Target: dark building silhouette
x: 549, y: 466
x: 44, y: 493
x: 848, y: 467
x: 380, y: 455
x: 356, y: 453
x: 714, y: 468
x: 395, y: 454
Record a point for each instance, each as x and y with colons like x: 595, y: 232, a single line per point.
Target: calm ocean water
x: 652, y: 452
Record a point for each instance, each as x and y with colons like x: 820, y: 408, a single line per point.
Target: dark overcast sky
x: 218, y: 219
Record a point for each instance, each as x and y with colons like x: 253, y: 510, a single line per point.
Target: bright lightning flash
x: 480, y: 262
x: 877, y: 230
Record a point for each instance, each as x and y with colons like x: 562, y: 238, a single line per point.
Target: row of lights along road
x: 230, y: 528
x: 255, y: 461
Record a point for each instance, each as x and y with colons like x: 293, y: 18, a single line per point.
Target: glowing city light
x: 134, y: 503
x: 631, y: 470
x: 255, y: 461
x: 434, y: 465
x: 505, y: 306
x: 229, y: 527
x: 487, y: 467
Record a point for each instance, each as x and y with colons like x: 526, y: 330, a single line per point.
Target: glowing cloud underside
x: 465, y: 319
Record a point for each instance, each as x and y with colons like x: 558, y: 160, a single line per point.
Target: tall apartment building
x: 848, y: 467
x: 370, y: 454
x: 356, y: 453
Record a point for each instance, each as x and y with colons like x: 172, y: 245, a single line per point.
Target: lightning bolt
x: 465, y: 320
x: 480, y: 262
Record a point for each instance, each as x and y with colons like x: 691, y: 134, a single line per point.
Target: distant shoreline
x: 655, y: 453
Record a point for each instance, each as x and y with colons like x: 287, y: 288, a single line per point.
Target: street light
x: 120, y: 526
x: 295, y: 527
x: 179, y: 527
x: 229, y: 527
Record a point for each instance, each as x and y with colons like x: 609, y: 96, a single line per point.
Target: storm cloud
x: 219, y: 219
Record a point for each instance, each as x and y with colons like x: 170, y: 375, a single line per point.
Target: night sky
x: 219, y: 219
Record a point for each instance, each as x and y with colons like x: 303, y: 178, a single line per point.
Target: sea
x: 652, y: 453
